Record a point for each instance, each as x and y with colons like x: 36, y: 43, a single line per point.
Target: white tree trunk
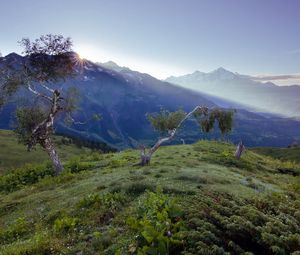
x: 43, y: 131
x: 48, y: 145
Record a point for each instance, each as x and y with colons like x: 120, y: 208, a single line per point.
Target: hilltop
x: 192, y: 199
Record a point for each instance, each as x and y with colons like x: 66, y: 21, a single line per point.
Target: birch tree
x: 168, y: 123
x: 46, y: 61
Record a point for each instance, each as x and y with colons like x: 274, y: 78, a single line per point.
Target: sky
x: 169, y: 37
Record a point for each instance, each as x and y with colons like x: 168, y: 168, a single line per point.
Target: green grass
x: 13, y: 154
x: 290, y: 154
x: 210, y: 203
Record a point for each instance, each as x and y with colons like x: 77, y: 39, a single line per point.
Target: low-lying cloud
x: 277, y: 77
x: 282, y: 80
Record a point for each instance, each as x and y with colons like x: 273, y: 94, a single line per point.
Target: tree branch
x: 47, y: 88
x: 38, y: 93
x: 173, y: 132
x: 75, y: 122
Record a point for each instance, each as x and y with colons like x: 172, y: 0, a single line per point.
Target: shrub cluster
x: 29, y: 174
x: 223, y: 224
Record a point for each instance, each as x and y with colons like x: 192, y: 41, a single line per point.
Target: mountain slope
x: 123, y: 98
x: 243, y: 89
x: 210, y: 203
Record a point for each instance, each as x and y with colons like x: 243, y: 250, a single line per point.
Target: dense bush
x: 222, y: 223
x: 26, y: 175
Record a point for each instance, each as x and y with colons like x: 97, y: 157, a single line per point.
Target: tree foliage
x: 165, y: 120
x: 208, y: 117
x: 48, y: 60
x: 27, y: 118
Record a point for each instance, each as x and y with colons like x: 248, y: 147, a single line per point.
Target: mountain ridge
x: 284, y: 100
x: 124, y: 97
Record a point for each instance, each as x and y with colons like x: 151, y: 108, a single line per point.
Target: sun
x: 85, y: 53
x: 80, y: 56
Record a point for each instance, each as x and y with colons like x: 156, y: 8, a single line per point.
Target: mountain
x: 244, y: 89
x: 123, y: 98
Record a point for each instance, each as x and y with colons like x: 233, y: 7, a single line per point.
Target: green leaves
x: 65, y: 224
x: 208, y: 117
x: 15, y: 230
x: 27, y: 118
x: 157, y: 223
x: 165, y: 120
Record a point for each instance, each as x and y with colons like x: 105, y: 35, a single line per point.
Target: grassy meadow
x: 192, y: 199
x: 14, y: 154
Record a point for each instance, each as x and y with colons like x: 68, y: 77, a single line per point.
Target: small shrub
x: 133, y: 188
x: 75, y: 165
x: 113, y: 200
x: 15, y: 231
x: 91, y: 200
x: 115, y: 163
x: 137, y: 188
x: 65, y: 225
x: 40, y: 243
x: 110, y: 200
x: 192, y: 178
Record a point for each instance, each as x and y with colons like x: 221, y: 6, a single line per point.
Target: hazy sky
x: 164, y: 37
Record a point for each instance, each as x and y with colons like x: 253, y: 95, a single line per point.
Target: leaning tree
x: 47, y: 61
x: 168, y: 123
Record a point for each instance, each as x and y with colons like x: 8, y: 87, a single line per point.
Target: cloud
x: 276, y: 77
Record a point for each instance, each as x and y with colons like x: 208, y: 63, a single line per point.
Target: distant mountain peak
x: 114, y: 66
x: 222, y: 70
x: 111, y: 63
x: 197, y: 72
x: 13, y: 54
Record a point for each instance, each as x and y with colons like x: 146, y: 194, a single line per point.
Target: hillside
x: 13, y: 154
x: 290, y: 154
x: 200, y: 200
